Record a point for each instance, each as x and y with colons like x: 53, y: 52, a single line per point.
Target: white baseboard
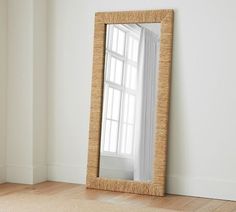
x: 67, y: 173
x: 2, y: 174
x: 199, y: 187
x: 202, y: 187
x: 26, y: 174
x: 19, y: 174
x: 40, y: 173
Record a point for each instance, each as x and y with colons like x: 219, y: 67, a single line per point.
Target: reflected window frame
x: 132, y: 31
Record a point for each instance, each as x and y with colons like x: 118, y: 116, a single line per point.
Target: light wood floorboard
x: 74, y: 191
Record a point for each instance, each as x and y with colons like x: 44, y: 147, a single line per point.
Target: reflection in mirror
x: 129, y: 101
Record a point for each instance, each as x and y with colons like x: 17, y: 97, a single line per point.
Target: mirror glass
x: 129, y: 101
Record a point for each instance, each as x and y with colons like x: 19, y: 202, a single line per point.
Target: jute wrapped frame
x: 157, y: 186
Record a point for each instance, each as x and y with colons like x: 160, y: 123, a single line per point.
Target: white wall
x: 40, y: 117
x: 68, y: 92
x: 26, y: 91
x: 20, y: 91
x: 202, y: 157
x: 3, y: 75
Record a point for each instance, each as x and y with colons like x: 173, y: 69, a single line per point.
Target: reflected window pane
x: 127, y: 139
x: 118, y: 41
x: 113, y: 104
x: 121, y: 42
x: 107, y: 135
x: 116, y: 104
x: 109, y: 103
x: 119, y: 70
x: 114, y: 39
x: 127, y: 124
x: 131, y: 77
x: 113, y: 136
x: 112, y: 69
x: 133, y: 49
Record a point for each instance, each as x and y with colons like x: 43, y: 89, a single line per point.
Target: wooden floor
x: 181, y: 203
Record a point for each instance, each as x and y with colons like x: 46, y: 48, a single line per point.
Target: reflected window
x: 122, y: 43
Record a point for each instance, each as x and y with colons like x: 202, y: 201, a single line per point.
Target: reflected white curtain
x: 146, y: 105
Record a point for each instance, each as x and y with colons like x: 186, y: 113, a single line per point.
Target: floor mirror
x: 130, y: 101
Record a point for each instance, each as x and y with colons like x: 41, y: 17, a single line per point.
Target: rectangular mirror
x: 130, y: 101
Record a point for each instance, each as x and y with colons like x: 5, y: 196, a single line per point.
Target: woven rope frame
x: 157, y: 186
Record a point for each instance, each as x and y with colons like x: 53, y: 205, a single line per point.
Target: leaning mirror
x: 130, y: 101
